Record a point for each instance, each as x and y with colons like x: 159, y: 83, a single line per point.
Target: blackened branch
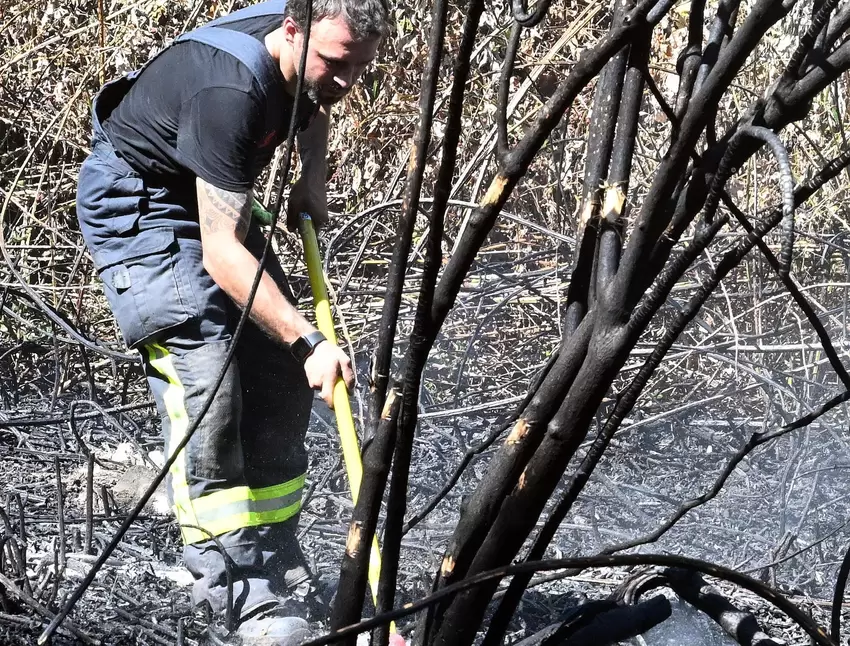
x: 721, y: 31
x: 742, y: 626
x: 505, y: 89
x: 421, y: 336
x: 820, y: 20
x: 527, y: 18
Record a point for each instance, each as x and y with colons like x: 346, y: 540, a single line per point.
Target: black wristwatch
x: 304, y: 345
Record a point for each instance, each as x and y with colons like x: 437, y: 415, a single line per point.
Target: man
x: 164, y: 203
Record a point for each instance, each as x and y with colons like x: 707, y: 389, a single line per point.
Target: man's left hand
x: 308, y: 196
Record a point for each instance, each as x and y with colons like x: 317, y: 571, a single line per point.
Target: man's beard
x: 320, y: 94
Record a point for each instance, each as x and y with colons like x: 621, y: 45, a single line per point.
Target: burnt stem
x: 719, y: 35
x: 689, y: 59
x: 420, y: 343
x: 656, y: 212
x: 600, y: 141
x: 354, y: 569
x: 617, y: 186
x: 381, y: 365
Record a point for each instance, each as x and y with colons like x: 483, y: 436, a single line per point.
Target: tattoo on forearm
x: 222, y: 210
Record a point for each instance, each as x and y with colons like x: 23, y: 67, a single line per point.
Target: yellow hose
x: 342, y: 405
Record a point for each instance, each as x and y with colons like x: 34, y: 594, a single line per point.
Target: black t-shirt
x: 198, y: 111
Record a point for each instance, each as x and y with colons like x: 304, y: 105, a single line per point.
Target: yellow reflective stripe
x: 230, y: 509
x: 239, y: 520
x: 224, y: 497
x: 174, y: 399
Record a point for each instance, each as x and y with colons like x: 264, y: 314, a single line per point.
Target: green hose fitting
x: 260, y: 214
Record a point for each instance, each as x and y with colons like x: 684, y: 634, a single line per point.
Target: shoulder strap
x: 269, y: 8
x: 246, y: 49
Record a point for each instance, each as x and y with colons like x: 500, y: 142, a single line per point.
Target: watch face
x: 301, y: 349
x: 303, y: 346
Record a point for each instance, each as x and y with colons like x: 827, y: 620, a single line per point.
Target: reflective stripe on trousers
x: 227, y: 509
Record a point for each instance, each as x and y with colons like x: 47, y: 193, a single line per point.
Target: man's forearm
x: 224, y: 217
x: 233, y: 268
x: 313, y: 147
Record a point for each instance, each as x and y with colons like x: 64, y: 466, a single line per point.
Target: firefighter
x: 164, y: 204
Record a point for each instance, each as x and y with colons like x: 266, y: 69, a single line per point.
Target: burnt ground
x: 142, y: 595
x: 782, y: 514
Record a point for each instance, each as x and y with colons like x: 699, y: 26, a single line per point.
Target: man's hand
x: 309, y: 196
x: 324, y: 366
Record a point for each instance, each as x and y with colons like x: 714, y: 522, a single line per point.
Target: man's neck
x: 282, y: 53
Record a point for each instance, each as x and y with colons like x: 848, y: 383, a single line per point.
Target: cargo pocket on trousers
x: 147, y: 289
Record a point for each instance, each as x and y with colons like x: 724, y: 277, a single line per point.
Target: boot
x: 271, y: 625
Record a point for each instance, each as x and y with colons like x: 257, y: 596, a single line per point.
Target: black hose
x: 838, y: 597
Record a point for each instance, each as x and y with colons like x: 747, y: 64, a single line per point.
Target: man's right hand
x: 324, y: 366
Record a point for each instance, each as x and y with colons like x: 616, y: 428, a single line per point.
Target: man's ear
x: 291, y: 30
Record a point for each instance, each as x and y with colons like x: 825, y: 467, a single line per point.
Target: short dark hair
x: 365, y: 18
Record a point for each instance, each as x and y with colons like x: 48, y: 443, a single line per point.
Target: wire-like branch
x: 523, y: 17
x: 756, y: 440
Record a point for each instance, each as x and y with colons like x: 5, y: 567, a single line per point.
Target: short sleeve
x: 218, y: 134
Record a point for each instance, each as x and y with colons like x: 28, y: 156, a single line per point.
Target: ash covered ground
x: 781, y: 515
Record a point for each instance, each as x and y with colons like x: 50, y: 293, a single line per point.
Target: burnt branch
x: 421, y: 338
x: 719, y: 34
x: 354, y: 569
x: 616, y: 188
x: 655, y: 214
x: 740, y: 625
x: 627, y: 400
x: 820, y: 22
x: 838, y: 597
x: 690, y: 58
x: 503, y: 98
x: 603, y: 624
x: 529, y: 19
x: 516, y: 163
x: 410, y: 207
x: 600, y: 139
